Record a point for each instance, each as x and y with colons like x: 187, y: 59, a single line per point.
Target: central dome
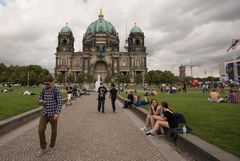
x: 100, y: 26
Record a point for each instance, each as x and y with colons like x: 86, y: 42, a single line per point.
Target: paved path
x: 87, y: 135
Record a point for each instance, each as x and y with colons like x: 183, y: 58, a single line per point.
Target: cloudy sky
x: 176, y: 31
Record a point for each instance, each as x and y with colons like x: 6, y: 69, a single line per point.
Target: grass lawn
x: 13, y: 103
x: 217, y: 123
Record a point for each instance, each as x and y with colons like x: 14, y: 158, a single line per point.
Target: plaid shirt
x: 52, y: 101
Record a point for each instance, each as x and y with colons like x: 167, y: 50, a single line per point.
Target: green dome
x: 101, y: 25
x: 136, y: 29
x: 66, y: 29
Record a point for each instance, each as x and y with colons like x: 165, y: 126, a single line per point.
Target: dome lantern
x: 101, y: 15
x: 66, y: 29
x: 136, y: 29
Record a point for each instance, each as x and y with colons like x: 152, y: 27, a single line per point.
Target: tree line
x: 32, y: 74
x: 152, y: 77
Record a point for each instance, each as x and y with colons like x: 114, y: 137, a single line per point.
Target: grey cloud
x: 175, y: 31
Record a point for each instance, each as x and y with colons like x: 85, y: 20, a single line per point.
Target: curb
x: 18, y: 120
x: 14, y: 122
x: 197, y: 148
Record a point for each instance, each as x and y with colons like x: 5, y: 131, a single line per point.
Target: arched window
x: 64, y: 42
x: 137, y: 42
x: 124, y: 63
x: 137, y: 62
x: 115, y: 63
x: 64, y: 63
x: 77, y: 63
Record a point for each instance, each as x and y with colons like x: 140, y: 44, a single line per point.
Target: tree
x: 41, y: 77
x: 121, y: 78
x: 107, y: 79
x: 89, y: 78
x: 138, y: 78
x: 2, y: 68
x: 20, y: 74
x: 4, y: 76
x: 60, y: 78
x: 70, y: 78
x: 153, y: 77
x: 13, y: 77
x: 166, y: 77
x: 33, y: 78
x: 23, y: 78
x: 80, y: 77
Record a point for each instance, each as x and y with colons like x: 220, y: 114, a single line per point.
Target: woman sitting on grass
x: 154, y: 111
x: 168, y: 120
x: 232, y: 97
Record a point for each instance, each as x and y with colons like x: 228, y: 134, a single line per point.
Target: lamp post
x: 28, y: 79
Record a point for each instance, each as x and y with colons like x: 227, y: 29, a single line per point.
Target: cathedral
x: 100, y: 55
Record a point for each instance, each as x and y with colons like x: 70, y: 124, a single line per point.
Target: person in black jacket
x: 129, y: 101
x: 168, y: 120
x: 102, y: 90
x: 113, y: 96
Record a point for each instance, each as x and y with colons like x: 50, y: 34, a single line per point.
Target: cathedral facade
x: 100, y: 53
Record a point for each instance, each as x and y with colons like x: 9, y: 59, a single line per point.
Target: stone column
x: 112, y: 66
x: 118, y: 64
x: 130, y: 65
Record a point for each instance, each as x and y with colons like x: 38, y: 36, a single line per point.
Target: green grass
x: 217, y: 123
x: 14, y: 103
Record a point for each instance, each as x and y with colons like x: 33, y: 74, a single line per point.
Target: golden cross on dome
x: 101, y: 13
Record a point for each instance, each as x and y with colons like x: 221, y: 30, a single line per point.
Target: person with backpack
x: 102, y: 91
x: 50, y: 99
x: 168, y: 120
x: 113, y: 96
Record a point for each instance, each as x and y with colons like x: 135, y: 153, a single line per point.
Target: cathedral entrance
x: 100, y: 69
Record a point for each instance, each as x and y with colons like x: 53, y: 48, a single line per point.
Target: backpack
x: 180, y: 118
x: 102, y: 92
x: 173, y: 133
x: 55, y: 92
x: 188, y: 129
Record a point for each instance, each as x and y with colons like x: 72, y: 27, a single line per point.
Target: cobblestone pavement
x: 87, y: 135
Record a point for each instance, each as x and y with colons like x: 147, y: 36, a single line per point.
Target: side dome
x: 66, y: 29
x: 101, y: 26
x: 136, y: 29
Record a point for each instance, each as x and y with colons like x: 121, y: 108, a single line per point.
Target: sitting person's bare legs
x: 159, y: 124
x: 152, y: 121
x: 147, y: 124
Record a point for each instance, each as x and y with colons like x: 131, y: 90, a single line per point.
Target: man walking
x: 113, y: 96
x: 101, y: 97
x: 51, y: 100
